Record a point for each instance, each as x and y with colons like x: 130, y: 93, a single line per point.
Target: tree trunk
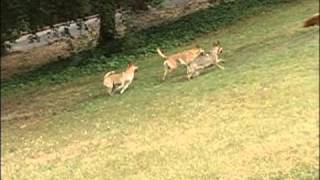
x: 140, y: 5
x: 107, y: 33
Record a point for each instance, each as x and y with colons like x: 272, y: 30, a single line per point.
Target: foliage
x: 13, y: 18
x: 29, y: 15
x: 25, y: 16
x: 155, y: 2
x: 166, y: 36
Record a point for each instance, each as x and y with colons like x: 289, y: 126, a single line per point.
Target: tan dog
x: 119, y: 80
x: 172, y: 62
x: 314, y: 20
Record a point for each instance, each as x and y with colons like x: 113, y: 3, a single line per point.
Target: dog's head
x: 216, y: 45
x: 133, y: 67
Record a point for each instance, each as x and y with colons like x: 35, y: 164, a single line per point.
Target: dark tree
x: 13, y: 18
x: 107, y: 32
x: 140, y: 5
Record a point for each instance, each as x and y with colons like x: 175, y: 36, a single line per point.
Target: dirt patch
x: 158, y: 16
x: 26, y: 109
x: 66, y: 153
x: 22, y: 62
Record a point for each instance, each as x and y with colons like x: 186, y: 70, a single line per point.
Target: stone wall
x: 127, y: 21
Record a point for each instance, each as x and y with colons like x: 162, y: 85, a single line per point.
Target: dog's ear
x: 217, y: 43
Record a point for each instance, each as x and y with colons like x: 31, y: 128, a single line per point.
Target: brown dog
x: 205, y: 60
x: 314, y: 20
x: 119, y: 80
x: 172, y: 62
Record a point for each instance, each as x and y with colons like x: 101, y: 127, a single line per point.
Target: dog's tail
x: 108, y: 74
x: 314, y: 20
x: 161, y: 54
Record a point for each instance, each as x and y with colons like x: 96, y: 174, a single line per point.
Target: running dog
x: 204, y: 61
x: 119, y: 81
x: 172, y: 62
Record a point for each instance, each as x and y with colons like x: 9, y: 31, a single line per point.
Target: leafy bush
x: 155, y: 2
x: 166, y: 36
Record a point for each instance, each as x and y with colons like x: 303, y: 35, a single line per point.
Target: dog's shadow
x: 181, y: 78
x: 208, y: 70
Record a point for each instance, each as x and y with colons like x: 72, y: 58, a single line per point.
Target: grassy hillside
x: 257, y: 119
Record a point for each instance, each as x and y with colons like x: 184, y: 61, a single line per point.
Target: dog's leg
x: 110, y: 91
x: 125, y: 87
x: 189, y: 73
x: 220, y: 60
x: 120, y: 86
x: 165, y: 73
x: 219, y: 66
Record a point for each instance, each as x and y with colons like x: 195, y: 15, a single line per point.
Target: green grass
x: 257, y: 119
